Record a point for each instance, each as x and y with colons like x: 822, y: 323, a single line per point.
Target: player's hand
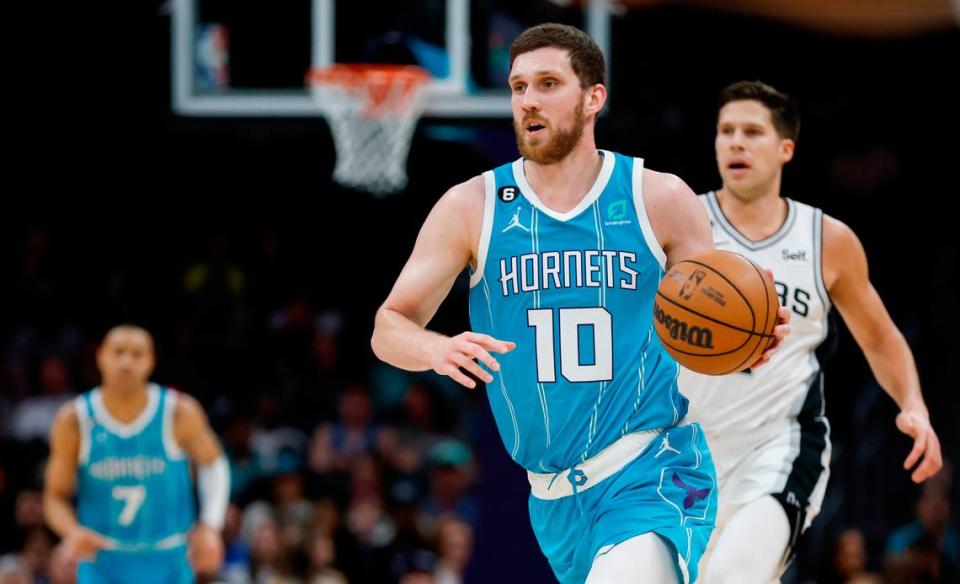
x: 61, y: 568
x: 448, y: 354
x: 205, y: 549
x: 916, y: 424
x: 83, y: 544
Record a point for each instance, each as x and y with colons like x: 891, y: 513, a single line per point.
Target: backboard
x: 244, y: 58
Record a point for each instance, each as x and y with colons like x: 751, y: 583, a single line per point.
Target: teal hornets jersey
x: 133, y: 481
x: 575, y: 292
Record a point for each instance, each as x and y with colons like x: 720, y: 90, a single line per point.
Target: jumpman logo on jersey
x: 665, y: 446
x: 693, y: 495
x: 515, y: 222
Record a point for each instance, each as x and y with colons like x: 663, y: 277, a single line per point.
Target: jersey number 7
x: 132, y: 498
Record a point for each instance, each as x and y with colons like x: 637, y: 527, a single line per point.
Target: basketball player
x: 567, y: 246
x: 123, y: 450
x: 766, y: 428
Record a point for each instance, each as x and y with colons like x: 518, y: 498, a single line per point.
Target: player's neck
x: 561, y: 186
x: 757, y: 217
x: 124, y: 404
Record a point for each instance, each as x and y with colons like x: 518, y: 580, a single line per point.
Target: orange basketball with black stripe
x: 715, y: 312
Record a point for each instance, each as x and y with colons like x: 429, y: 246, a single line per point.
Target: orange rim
x: 379, y: 82
x: 363, y: 74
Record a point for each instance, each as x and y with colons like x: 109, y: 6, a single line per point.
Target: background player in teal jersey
x: 567, y: 247
x: 124, y: 450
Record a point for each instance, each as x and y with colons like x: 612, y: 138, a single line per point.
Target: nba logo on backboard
x: 212, y: 71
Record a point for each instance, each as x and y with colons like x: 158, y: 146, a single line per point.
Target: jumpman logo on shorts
x: 665, y: 446
x: 693, y: 495
x: 515, y: 222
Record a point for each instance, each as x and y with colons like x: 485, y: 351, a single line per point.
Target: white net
x: 372, y: 112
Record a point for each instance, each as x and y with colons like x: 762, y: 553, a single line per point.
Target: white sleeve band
x: 214, y: 489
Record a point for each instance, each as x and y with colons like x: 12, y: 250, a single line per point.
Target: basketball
x: 715, y: 312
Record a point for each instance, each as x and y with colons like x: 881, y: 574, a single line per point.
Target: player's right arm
x: 443, y: 249
x: 60, y: 484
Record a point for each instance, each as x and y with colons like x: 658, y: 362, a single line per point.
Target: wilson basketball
x: 715, y: 312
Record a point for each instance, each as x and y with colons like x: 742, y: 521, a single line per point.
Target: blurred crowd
x: 343, y: 470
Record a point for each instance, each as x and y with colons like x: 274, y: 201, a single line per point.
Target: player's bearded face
x: 555, y: 141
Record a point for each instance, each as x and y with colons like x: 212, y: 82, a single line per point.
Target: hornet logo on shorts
x: 689, y: 491
x: 693, y: 495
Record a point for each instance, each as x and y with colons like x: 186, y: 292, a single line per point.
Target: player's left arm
x: 194, y: 435
x: 886, y: 350
x: 682, y: 228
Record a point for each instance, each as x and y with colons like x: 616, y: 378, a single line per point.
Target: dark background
x: 113, y: 200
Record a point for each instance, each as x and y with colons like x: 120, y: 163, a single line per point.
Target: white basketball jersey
x: 777, y: 391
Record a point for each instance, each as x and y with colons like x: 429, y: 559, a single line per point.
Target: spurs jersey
x: 788, y: 388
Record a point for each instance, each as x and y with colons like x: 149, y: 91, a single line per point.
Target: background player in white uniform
x: 130, y: 437
x: 766, y: 428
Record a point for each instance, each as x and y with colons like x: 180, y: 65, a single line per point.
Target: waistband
x: 592, y: 471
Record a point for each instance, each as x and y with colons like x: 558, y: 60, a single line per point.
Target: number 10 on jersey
x: 571, y: 321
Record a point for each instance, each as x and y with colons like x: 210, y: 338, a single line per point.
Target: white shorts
x: 789, y: 460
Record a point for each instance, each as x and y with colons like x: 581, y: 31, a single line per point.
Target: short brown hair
x: 783, y: 110
x: 585, y: 56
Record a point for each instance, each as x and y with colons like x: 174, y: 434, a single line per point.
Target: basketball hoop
x: 372, y: 111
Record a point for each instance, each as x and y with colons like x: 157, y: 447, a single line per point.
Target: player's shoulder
x: 185, y: 405
x: 66, y: 423
x: 189, y: 417
x: 463, y: 204
x: 469, y: 193
x: 664, y: 185
x: 667, y: 198
x: 67, y: 413
x: 842, y: 250
x: 836, y: 233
